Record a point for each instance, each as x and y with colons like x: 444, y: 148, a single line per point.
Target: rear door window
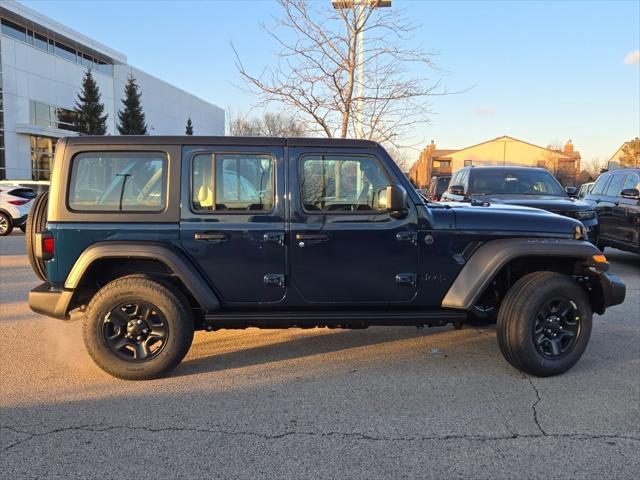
x: 243, y: 182
x: 118, y: 182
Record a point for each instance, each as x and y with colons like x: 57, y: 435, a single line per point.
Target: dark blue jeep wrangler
x: 155, y: 237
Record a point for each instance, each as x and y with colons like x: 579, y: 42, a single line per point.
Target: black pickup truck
x: 155, y: 237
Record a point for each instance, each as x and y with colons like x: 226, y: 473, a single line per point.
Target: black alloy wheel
x: 556, y: 328
x: 136, y: 332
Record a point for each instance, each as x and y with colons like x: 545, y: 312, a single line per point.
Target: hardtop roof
x: 219, y: 140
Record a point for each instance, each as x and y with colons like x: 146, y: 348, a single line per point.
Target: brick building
x: 563, y: 162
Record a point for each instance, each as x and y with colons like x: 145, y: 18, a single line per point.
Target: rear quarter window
x: 118, y: 182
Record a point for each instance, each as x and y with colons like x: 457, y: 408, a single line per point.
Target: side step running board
x: 337, y: 319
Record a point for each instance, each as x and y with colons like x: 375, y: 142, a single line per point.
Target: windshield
x: 514, y: 182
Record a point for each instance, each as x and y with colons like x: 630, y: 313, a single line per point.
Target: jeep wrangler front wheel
x: 544, y: 324
x: 137, y: 328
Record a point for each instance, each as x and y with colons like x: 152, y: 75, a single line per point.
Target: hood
x: 505, y: 218
x: 546, y: 202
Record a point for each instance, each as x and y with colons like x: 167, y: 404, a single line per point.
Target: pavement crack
x: 101, y: 428
x: 534, y: 406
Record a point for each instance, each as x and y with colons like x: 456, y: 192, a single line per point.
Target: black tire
x: 6, y: 224
x: 100, y: 326
x: 36, y: 223
x: 522, y: 324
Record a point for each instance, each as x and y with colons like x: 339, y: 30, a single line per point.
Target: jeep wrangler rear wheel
x: 36, y: 223
x: 137, y: 328
x: 544, y: 324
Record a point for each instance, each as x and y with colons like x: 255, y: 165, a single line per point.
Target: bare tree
x: 630, y: 155
x: 269, y: 125
x: 551, y: 158
x: 316, y: 77
x: 594, y: 166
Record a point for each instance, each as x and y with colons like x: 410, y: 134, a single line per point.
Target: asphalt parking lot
x: 377, y: 403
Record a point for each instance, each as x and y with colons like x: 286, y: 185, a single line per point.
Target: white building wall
x: 32, y: 74
x: 166, y: 107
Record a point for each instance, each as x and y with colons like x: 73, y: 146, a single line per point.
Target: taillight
x: 18, y: 202
x: 48, y: 245
x: 45, y: 245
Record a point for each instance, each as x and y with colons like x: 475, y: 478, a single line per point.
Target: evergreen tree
x: 89, y: 119
x: 189, y: 129
x: 131, y: 120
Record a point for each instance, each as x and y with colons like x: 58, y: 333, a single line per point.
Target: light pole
x: 360, y: 4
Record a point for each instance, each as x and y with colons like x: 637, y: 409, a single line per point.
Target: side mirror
x: 394, y: 199
x: 571, y: 191
x: 456, y: 190
x: 632, y: 193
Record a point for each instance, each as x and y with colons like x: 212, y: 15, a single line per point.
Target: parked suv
x: 154, y: 237
x: 15, y: 202
x: 437, y: 186
x: 616, y: 198
x: 523, y: 186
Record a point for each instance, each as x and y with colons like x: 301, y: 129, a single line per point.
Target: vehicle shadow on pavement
x: 303, y: 346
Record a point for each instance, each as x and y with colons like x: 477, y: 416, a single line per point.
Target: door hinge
x: 410, y: 237
x: 406, y: 279
x: 274, y: 280
x: 274, y: 237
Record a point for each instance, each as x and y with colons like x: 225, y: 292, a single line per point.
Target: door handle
x: 312, y: 237
x: 409, y: 279
x: 274, y: 237
x: 211, y: 237
x: 407, y: 237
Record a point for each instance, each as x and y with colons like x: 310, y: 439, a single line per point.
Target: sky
x: 544, y: 71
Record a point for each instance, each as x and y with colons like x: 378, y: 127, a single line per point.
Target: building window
x: 61, y: 50
x: 468, y: 163
x: 65, y: 52
x: 42, y: 150
x: 14, y: 31
x: 105, y: 68
x: 40, y: 41
x: 51, y: 116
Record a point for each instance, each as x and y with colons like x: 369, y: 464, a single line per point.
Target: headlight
x: 585, y: 215
x: 579, y: 232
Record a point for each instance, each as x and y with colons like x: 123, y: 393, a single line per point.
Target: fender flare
x: 488, y: 260
x: 176, y: 261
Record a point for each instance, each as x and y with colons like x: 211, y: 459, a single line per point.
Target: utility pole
x: 360, y: 9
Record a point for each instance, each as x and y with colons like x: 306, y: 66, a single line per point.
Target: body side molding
x: 175, y: 261
x: 489, y: 258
